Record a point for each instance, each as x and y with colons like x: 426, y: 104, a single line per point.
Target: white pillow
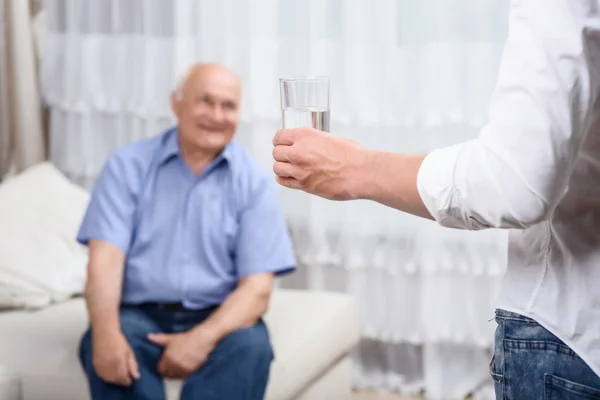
x: 40, y: 260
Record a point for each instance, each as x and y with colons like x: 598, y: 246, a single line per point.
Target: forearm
x: 390, y: 179
x: 103, y: 297
x: 103, y: 286
x: 242, y: 308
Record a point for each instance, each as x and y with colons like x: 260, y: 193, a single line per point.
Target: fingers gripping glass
x: 305, y: 102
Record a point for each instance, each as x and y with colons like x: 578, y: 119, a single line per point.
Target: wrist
x: 106, y: 332
x: 361, y: 179
x: 207, y: 332
x: 106, y: 324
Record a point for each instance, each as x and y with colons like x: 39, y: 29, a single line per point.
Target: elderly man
x: 185, y: 235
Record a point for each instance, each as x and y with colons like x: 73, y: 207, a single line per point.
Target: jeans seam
x: 510, y: 316
x: 541, y: 345
x: 524, y: 319
x: 504, y: 395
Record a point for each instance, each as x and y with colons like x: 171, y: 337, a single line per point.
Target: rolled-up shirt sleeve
x: 514, y: 174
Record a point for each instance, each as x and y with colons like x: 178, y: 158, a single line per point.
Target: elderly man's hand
x: 113, y: 358
x: 318, y: 163
x: 184, y: 353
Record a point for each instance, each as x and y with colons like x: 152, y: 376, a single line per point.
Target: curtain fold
x: 405, y: 76
x: 22, y: 142
x: 5, y: 133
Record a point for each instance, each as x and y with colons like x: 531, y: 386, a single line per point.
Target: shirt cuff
x: 435, y: 184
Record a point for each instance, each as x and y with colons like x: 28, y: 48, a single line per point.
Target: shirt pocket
x: 556, y: 388
x: 230, y: 230
x: 220, y: 224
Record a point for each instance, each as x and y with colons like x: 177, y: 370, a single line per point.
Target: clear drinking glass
x: 305, y: 102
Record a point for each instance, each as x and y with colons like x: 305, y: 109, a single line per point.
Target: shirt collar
x: 170, y: 147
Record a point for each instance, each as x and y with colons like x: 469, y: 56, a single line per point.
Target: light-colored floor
x: 366, y: 395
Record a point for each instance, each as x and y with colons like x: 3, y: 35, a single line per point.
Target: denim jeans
x: 530, y: 363
x: 237, y: 369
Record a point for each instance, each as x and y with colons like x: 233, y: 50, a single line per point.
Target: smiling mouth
x: 210, y: 129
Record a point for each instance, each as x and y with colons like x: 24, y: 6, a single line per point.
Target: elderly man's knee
x: 135, y: 326
x: 85, y: 349
x: 251, y: 343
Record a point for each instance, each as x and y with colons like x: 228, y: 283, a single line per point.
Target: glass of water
x: 305, y: 102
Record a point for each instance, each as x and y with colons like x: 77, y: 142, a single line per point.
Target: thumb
x: 132, y: 364
x: 161, y: 339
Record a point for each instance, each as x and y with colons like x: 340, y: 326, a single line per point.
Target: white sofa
x: 313, y: 333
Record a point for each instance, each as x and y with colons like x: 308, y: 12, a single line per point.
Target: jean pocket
x: 494, y: 371
x: 498, y: 379
x: 556, y: 388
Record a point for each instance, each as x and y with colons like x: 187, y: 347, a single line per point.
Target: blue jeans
x: 237, y: 369
x: 530, y: 363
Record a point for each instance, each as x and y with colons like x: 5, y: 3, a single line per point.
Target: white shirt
x: 535, y: 169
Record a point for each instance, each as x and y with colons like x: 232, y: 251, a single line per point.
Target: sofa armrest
x: 10, y: 385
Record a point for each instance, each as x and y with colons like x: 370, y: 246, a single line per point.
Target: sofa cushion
x: 310, y: 331
x: 10, y: 386
x: 41, y: 262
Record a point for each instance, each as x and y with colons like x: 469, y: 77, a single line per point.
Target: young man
x: 535, y: 169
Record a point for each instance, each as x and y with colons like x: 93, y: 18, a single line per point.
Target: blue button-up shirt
x: 187, y: 238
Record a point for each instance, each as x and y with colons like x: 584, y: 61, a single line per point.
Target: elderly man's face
x: 208, y: 109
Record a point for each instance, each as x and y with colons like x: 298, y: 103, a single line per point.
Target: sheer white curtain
x: 406, y: 75
x: 21, y: 134
x: 5, y: 136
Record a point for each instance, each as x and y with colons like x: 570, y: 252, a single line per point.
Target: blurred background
x: 79, y: 78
